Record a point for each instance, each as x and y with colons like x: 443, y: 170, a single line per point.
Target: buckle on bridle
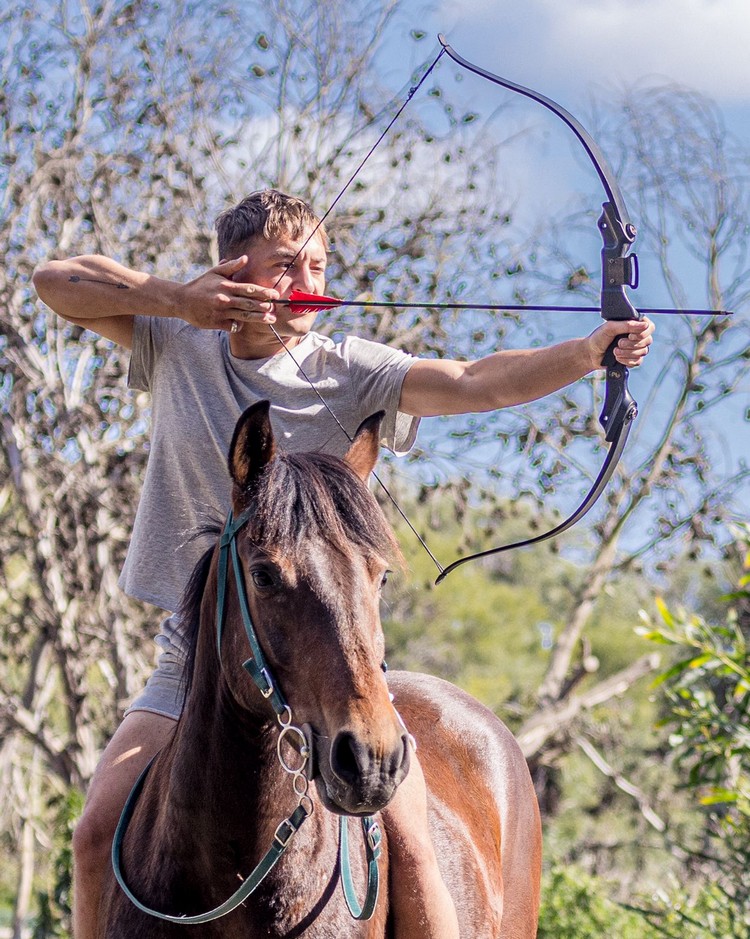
x: 284, y: 833
x: 269, y: 689
x: 374, y: 837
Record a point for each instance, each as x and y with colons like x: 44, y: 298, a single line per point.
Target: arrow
x: 300, y: 303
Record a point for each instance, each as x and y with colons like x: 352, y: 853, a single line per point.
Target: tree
x: 706, y: 695
x: 125, y: 128
x: 673, y: 498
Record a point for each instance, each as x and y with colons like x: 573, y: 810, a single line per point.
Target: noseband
x: 258, y: 669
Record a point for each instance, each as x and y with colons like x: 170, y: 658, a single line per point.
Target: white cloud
x: 575, y: 43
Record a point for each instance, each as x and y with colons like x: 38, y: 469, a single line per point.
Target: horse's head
x: 313, y: 553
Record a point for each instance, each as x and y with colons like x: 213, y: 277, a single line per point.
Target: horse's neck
x: 222, y: 764
x: 226, y: 795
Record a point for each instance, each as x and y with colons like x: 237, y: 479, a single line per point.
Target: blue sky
x: 583, y: 51
x: 576, y: 48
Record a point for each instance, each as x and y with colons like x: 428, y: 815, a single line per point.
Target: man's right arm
x: 104, y: 296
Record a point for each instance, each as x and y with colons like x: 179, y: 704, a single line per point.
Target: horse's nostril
x: 348, y: 758
x: 404, y: 762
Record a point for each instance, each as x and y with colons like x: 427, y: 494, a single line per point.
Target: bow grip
x: 619, y: 404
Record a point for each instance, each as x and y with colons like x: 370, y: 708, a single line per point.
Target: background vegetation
x: 126, y: 127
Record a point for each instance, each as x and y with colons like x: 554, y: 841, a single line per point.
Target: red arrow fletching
x: 300, y: 302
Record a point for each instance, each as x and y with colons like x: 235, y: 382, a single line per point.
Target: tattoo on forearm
x: 74, y: 279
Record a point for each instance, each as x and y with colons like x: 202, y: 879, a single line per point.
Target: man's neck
x: 261, y: 347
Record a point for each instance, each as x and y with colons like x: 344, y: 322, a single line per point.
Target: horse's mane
x: 302, y: 496
x: 299, y: 497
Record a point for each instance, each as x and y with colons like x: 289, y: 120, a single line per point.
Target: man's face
x: 269, y: 266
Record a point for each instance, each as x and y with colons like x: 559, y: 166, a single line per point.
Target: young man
x: 206, y: 351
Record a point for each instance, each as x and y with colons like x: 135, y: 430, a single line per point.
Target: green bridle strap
x: 261, y: 675
x: 255, y: 666
x: 284, y: 834
x: 373, y: 840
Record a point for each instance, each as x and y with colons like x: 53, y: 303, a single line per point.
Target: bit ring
x: 235, y: 327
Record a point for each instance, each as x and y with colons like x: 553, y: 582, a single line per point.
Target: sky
x: 578, y: 51
x: 573, y: 48
x: 582, y: 53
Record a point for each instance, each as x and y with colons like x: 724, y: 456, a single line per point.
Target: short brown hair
x: 269, y: 213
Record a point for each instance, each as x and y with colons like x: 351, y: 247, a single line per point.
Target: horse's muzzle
x: 355, y: 779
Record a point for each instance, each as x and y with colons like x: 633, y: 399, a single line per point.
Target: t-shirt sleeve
x: 150, y: 336
x: 378, y: 372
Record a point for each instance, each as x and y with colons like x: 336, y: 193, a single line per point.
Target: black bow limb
x: 619, y: 272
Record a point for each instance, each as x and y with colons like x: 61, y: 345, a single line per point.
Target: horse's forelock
x: 313, y: 495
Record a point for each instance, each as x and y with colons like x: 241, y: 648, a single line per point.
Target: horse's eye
x: 384, y: 581
x: 262, y: 579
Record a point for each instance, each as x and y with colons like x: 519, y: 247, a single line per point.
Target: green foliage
x: 54, y: 910
x: 709, y: 914
x: 577, y: 906
x: 707, y: 694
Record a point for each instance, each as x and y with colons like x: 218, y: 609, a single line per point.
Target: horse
x: 304, y: 554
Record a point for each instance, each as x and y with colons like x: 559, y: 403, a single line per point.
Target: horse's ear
x: 362, y: 455
x: 252, y: 446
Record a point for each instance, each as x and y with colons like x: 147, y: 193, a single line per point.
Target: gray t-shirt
x: 199, y: 390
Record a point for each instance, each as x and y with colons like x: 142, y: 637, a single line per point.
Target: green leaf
x: 654, y: 635
x: 701, y: 660
x: 717, y: 796
x: 673, y: 672
x: 664, y: 612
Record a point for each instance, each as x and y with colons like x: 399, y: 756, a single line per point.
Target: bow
x: 619, y: 273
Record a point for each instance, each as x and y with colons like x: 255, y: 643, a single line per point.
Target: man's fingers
x: 227, y: 268
x: 251, y: 299
x: 244, y: 307
x: 632, y: 337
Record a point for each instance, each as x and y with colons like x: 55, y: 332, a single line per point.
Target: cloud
x: 585, y: 43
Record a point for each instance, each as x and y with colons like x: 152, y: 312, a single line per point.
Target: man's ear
x: 252, y: 447
x: 363, y: 453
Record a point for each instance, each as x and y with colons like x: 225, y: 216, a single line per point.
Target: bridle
x: 258, y: 669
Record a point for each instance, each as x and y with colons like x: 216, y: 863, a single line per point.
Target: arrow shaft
x: 504, y: 307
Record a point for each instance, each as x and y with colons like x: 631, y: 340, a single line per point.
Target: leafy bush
x: 576, y: 905
x: 707, y: 694
x: 54, y: 905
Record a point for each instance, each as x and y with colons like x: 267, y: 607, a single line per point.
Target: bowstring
x: 412, y: 91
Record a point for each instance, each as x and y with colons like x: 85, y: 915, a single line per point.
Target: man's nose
x: 303, y: 279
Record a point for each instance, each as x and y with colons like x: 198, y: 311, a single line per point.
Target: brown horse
x: 312, y: 547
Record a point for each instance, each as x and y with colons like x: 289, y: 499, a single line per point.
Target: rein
x: 260, y: 673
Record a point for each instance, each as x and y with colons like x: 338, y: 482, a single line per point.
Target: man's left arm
x: 433, y: 387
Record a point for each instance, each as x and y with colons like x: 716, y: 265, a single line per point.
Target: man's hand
x: 215, y: 301
x: 636, y: 337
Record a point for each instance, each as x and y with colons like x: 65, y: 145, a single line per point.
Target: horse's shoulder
x: 443, y: 715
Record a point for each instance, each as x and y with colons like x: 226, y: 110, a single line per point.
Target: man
x: 206, y: 350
